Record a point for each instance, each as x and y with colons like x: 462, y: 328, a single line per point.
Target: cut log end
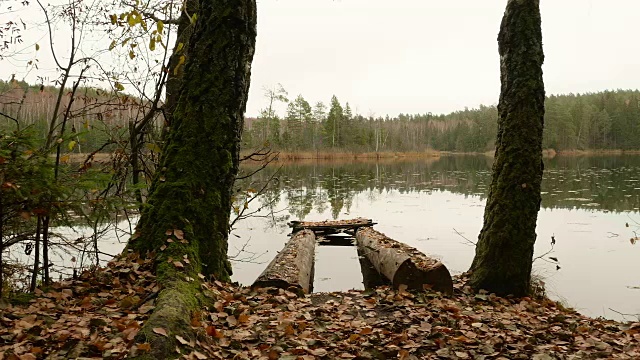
x: 437, y: 277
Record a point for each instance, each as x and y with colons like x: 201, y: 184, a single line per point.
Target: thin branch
x: 153, y: 16
x: 471, y: 243
x: 264, y: 165
x: 46, y: 14
x: 10, y: 117
x: 625, y: 315
x: 545, y: 254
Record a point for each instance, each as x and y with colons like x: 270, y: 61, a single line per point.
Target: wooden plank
x: 331, y: 226
x: 293, y: 266
x: 336, y: 240
x: 403, y: 264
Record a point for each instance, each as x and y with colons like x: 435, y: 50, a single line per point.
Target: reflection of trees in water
x: 609, y: 183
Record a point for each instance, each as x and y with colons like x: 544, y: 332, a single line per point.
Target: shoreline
x: 284, y: 156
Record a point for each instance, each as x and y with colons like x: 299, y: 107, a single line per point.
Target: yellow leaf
x: 180, y: 46
x: 160, y: 26
x: 112, y: 45
x: 114, y: 19
x: 64, y: 159
x: 180, y: 63
x: 153, y: 147
x: 118, y: 86
x: 152, y: 44
x: 72, y: 144
x: 131, y: 20
x: 37, y: 47
x: 194, y: 18
x: 131, y: 54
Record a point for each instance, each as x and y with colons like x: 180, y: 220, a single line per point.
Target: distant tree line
x: 602, y: 120
x: 96, y: 116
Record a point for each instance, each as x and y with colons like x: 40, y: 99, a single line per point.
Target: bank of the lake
x: 429, y: 203
x: 285, y: 155
x: 100, y: 314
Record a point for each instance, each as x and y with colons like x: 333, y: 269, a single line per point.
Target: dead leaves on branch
x: 99, y: 316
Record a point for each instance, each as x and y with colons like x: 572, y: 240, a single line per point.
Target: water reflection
x: 427, y: 202
x: 595, y: 183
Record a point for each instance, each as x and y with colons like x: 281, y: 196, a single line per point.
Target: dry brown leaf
x: 160, y: 331
x: 181, y: 340
x: 199, y: 355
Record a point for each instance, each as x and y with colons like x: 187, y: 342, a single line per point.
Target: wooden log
x: 402, y: 264
x: 371, y: 278
x: 331, y: 226
x: 293, y: 266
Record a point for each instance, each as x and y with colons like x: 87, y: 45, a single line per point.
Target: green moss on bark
x: 192, y: 189
x: 504, y: 252
x: 193, y: 186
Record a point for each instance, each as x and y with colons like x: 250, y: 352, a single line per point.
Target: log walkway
x: 383, y: 261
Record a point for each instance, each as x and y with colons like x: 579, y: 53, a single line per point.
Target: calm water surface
x: 587, y: 204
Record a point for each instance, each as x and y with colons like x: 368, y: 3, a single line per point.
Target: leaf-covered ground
x: 99, y: 315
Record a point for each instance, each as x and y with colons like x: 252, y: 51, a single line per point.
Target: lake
x: 432, y: 203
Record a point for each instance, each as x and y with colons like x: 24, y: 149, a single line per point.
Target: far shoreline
x: 431, y: 155
x: 428, y: 154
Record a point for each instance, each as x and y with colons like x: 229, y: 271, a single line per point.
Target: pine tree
x: 332, y: 126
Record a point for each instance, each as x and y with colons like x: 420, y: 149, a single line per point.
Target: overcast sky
x: 417, y: 56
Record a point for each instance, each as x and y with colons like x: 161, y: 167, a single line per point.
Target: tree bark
x: 293, y: 266
x: 36, y: 256
x: 190, y: 196
x: 402, y: 264
x: 176, y: 71
x: 504, y: 252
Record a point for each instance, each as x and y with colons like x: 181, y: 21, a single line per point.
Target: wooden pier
x: 383, y: 261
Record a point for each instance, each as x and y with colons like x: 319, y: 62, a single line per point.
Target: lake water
x: 431, y: 203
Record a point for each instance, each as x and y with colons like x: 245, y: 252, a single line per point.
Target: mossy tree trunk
x: 190, y: 196
x: 176, y: 69
x: 504, y: 252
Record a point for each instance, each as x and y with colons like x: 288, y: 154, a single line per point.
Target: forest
x: 606, y: 120
x: 603, y: 120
